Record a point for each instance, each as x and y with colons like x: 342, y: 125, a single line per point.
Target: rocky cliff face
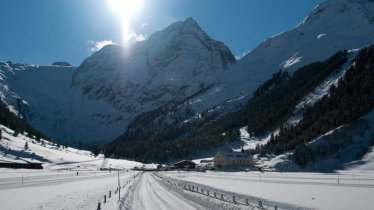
x: 172, y: 64
x: 332, y: 26
x: 95, y: 102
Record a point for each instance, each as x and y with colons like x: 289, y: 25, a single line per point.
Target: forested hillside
x: 19, y: 125
x: 352, y: 98
x: 272, y: 104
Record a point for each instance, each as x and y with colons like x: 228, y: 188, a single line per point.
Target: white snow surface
x: 340, y: 25
x: 344, y: 190
x: 64, y: 185
x: 61, y: 189
x: 44, y: 97
x: 118, y: 84
x: 12, y: 149
x: 95, y: 102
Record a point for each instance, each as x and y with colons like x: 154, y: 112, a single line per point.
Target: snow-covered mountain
x: 43, y: 96
x: 95, y: 102
x: 172, y: 64
x: 332, y: 26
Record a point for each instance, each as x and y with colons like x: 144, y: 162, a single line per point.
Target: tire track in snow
x: 150, y: 194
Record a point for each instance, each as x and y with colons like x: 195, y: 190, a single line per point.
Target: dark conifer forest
x: 16, y: 123
x: 352, y: 98
x: 271, y: 105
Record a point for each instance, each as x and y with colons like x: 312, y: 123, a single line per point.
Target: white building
x: 232, y: 159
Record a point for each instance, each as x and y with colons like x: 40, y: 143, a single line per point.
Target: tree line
x: 160, y: 135
x: 352, y: 98
x: 19, y: 125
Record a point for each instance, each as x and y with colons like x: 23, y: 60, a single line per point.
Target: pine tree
x: 15, y: 134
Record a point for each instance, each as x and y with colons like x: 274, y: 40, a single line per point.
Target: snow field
x: 71, y: 178
x: 153, y: 191
x: 224, y: 199
x: 345, y: 190
x: 81, y: 192
x: 53, y: 157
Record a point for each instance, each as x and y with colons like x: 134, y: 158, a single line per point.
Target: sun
x: 126, y: 10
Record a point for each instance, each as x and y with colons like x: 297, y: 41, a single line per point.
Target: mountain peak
x: 191, y: 22
x: 188, y: 26
x: 335, y: 10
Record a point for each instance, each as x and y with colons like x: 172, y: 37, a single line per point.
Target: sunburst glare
x: 127, y: 10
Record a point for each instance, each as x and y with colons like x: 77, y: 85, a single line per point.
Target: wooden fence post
x: 260, y: 203
x: 99, y: 205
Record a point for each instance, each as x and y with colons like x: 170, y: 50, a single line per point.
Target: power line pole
x: 119, y: 188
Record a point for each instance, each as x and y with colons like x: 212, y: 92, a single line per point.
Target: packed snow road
x: 150, y: 194
x: 153, y: 191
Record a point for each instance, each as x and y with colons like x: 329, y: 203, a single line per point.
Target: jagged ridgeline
x: 148, y: 139
x: 352, y: 98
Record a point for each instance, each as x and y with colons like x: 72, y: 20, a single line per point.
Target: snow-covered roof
x: 235, y: 155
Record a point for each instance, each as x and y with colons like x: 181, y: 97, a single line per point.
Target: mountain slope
x: 271, y: 106
x: 346, y: 102
x: 42, y: 95
x: 172, y: 64
x: 94, y: 102
x: 332, y: 26
x: 180, y: 68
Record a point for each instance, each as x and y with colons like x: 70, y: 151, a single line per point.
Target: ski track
x: 150, y: 194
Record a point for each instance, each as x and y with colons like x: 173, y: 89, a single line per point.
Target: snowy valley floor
x: 344, y: 190
x: 63, y: 189
x: 58, y: 189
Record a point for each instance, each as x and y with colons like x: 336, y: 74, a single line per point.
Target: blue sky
x: 44, y: 31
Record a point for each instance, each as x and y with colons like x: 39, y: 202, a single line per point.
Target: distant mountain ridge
x: 330, y: 27
x: 180, y: 65
x: 94, y: 102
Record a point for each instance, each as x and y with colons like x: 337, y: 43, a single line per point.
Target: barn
x: 185, y: 164
x: 20, y: 164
